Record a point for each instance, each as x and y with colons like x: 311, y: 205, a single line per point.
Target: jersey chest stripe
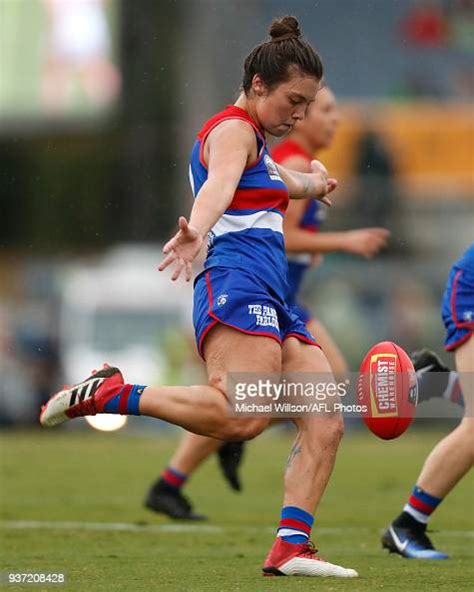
x: 261, y: 220
x: 261, y: 198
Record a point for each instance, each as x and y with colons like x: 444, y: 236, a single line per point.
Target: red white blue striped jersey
x: 311, y: 219
x: 249, y: 235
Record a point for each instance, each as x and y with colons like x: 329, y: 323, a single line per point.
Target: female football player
x: 241, y: 319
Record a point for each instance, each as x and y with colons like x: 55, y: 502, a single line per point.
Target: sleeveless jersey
x: 311, y: 219
x: 249, y: 235
x: 466, y: 261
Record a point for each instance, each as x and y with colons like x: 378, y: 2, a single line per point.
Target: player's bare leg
x: 308, y: 470
x: 204, y: 409
x: 452, y: 458
x: 192, y: 451
x: 331, y: 350
x: 314, y: 451
x: 201, y: 409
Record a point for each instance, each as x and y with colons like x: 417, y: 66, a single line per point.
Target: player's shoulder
x: 232, y: 131
x: 232, y: 118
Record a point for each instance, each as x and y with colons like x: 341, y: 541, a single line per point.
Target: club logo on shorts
x: 222, y: 299
x: 271, y: 168
x: 468, y: 316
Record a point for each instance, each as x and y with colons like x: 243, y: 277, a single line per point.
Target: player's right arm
x: 228, y: 149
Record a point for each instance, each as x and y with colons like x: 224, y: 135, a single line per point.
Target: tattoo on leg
x: 294, y: 452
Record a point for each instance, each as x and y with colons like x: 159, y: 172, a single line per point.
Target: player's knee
x: 238, y: 431
x: 218, y: 382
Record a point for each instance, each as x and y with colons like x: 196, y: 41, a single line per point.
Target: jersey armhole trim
x: 255, y: 128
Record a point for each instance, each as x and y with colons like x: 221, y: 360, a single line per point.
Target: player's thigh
x: 227, y: 350
x: 330, y: 348
x: 298, y: 356
x: 307, y: 362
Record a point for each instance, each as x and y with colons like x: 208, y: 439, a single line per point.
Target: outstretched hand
x: 366, y: 242
x: 182, y: 249
x: 323, y: 183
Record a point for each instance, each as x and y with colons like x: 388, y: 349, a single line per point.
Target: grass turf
x: 87, y: 477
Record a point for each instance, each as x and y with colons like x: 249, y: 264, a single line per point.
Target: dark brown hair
x: 273, y: 59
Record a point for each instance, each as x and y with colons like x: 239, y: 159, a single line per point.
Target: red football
x: 387, y: 390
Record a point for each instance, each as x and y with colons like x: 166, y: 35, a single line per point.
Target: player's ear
x: 258, y: 86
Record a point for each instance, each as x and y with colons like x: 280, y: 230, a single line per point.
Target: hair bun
x: 286, y: 27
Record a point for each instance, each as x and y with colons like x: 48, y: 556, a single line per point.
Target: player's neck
x: 244, y: 103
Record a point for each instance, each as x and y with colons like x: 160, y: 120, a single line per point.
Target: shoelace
x: 86, y: 407
x: 309, y: 551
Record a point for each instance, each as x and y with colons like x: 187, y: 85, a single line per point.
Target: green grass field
x: 88, y: 478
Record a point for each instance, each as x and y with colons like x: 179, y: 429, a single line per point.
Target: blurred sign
x: 57, y: 58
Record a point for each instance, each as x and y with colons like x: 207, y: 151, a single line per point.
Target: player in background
x: 241, y: 196
x: 303, y: 243
x: 453, y: 456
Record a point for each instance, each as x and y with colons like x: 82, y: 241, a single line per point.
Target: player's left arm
x: 316, y: 184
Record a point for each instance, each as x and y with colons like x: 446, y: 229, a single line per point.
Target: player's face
x: 321, y: 120
x: 284, y: 105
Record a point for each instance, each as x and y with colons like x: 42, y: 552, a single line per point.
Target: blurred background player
x: 78, y: 50
x: 453, y: 456
x: 303, y: 244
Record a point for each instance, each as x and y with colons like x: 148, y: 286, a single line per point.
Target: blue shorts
x: 242, y: 301
x: 457, y: 308
x: 301, y: 311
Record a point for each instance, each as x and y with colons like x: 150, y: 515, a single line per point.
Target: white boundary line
x: 114, y: 526
x: 184, y: 528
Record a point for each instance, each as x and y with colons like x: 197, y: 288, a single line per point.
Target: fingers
x: 331, y: 185
x: 178, y: 269
x: 182, y: 223
x: 181, y: 265
x: 189, y: 271
x: 167, y: 260
x: 183, y: 227
x: 318, y: 167
x: 326, y: 200
x: 374, y: 244
x: 382, y: 232
x: 169, y: 246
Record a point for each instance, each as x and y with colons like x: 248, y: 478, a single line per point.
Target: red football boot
x: 87, y: 398
x: 288, y: 559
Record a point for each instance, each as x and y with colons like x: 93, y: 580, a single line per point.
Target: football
x: 387, y: 390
